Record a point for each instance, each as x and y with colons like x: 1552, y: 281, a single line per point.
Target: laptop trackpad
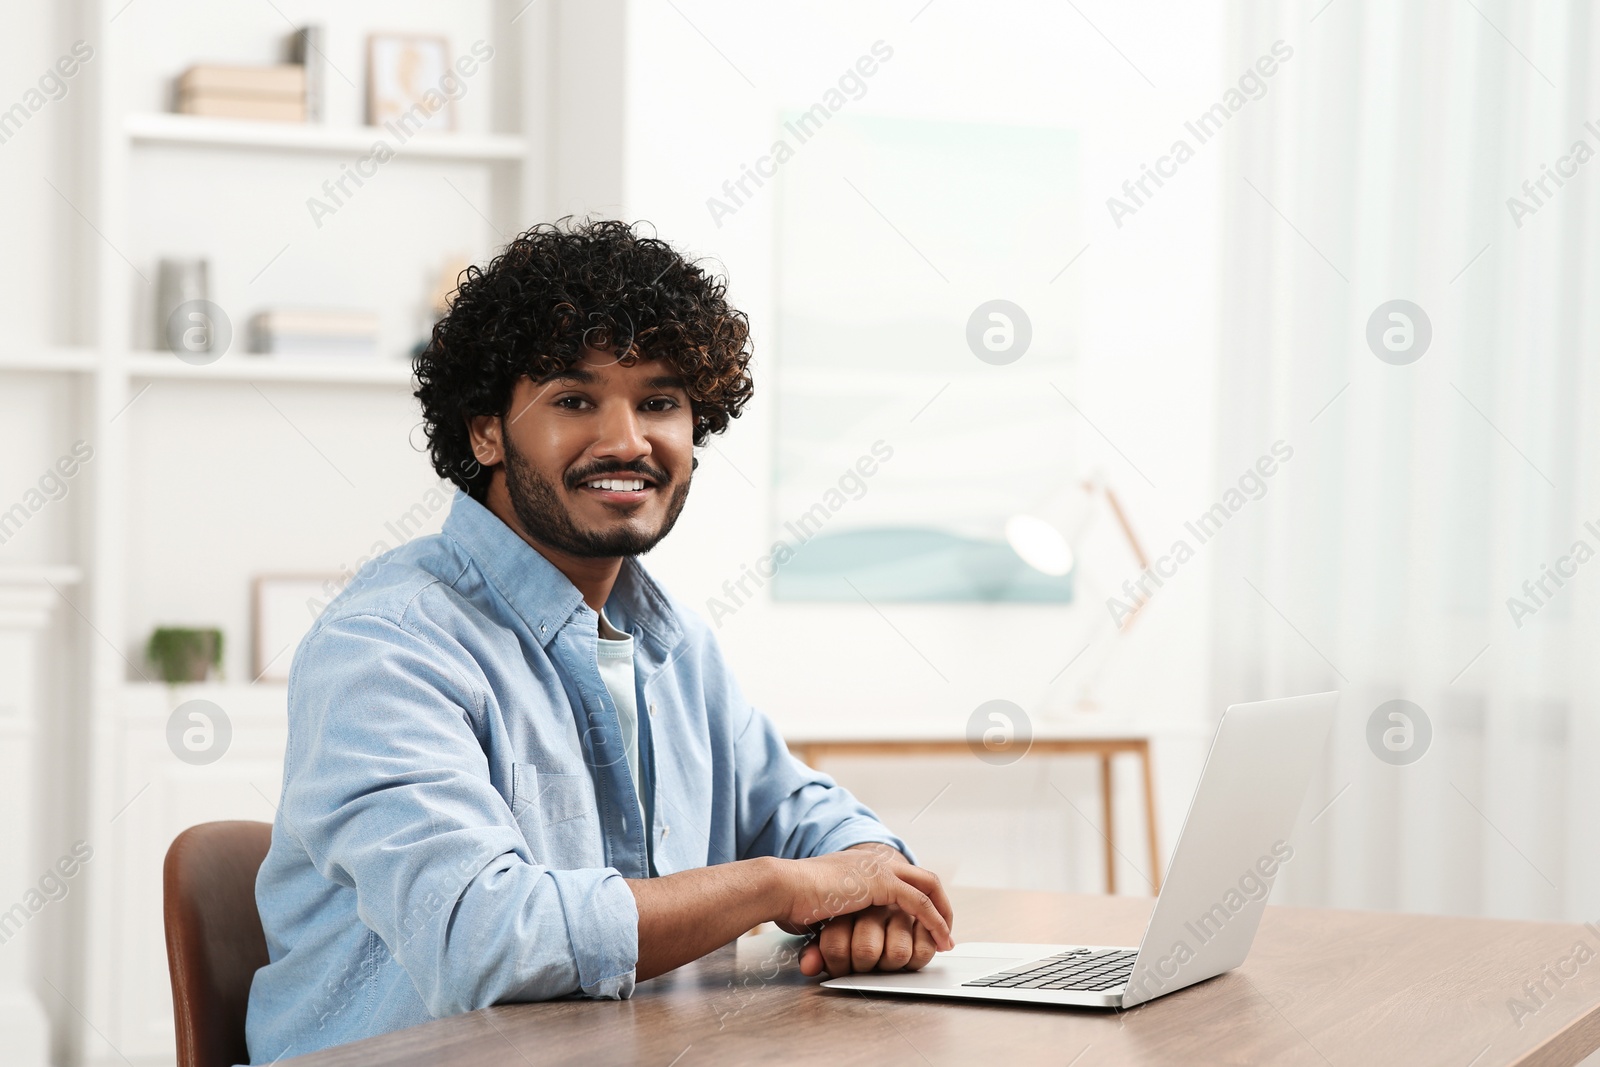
x: 963, y: 963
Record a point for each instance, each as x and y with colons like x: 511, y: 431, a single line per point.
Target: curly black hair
x: 555, y: 290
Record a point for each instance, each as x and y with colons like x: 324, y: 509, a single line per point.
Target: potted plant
x: 185, y: 655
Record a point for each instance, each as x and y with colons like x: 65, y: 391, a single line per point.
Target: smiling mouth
x: 618, y: 488
x: 619, y: 484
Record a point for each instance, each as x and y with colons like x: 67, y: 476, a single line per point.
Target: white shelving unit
x: 142, y: 366
x: 245, y: 368
x: 64, y: 360
x: 229, y: 368
x: 169, y: 129
x: 146, y: 538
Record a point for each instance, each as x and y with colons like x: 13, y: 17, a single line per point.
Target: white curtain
x: 1421, y: 497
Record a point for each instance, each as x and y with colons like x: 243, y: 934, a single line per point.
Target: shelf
x: 230, y: 368
x: 247, y: 368
x: 170, y: 129
x: 61, y: 360
x: 239, y: 700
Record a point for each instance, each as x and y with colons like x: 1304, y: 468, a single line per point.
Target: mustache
x: 574, y: 479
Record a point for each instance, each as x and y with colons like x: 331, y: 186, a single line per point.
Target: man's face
x: 597, y: 459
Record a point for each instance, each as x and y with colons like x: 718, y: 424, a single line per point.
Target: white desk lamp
x: 1042, y: 546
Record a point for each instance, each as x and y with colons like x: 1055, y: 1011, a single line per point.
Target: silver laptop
x: 1234, y: 840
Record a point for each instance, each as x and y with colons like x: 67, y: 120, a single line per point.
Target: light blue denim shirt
x: 457, y: 814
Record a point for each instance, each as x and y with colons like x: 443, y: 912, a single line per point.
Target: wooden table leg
x: 811, y: 753
x: 1150, y: 816
x: 1108, y: 805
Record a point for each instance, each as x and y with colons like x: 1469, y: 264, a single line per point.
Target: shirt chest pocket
x: 556, y: 813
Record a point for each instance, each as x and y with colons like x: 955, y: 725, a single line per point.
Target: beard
x: 539, y: 507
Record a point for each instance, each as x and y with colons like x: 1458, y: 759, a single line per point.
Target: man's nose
x: 621, y: 435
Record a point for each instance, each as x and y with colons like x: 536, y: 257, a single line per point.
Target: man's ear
x: 487, y: 447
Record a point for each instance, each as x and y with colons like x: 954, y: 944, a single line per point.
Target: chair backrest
x: 214, y: 939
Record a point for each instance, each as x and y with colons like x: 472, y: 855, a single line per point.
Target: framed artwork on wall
x: 927, y: 346
x: 283, y: 609
x: 408, y: 78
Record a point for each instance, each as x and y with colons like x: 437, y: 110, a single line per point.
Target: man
x: 517, y: 769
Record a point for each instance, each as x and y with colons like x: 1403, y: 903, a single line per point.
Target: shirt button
x: 665, y: 830
x: 652, y: 709
x: 541, y: 629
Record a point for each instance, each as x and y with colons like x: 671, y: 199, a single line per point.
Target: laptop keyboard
x: 1079, y: 970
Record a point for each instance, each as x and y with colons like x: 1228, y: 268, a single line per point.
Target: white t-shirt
x: 616, y: 671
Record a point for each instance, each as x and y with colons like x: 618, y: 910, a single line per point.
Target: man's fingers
x: 835, y: 944
x: 866, y: 940
x: 924, y: 948
x: 811, y: 963
x: 921, y: 907
x: 898, y: 945
x: 929, y: 883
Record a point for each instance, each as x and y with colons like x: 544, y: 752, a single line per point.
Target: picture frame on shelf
x: 407, y: 81
x: 284, y: 607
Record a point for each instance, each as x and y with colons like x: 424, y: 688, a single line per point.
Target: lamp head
x: 1040, y: 545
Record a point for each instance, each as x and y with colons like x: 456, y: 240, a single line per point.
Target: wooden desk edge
x: 805, y: 749
x: 1573, y: 1043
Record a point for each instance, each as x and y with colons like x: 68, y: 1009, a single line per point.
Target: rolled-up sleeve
x: 391, y: 795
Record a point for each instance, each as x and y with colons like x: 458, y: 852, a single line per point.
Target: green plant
x: 185, y: 655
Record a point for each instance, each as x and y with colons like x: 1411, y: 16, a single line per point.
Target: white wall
x: 41, y: 302
x: 1148, y: 296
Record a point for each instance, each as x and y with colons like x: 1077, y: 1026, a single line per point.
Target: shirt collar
x: 544, y: 598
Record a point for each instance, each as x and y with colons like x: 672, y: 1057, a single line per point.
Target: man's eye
x: 660, y: 403
x: 571, y: 403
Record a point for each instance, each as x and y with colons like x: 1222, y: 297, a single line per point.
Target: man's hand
x: 685, y: 915
x: 881, y: 939
x: 876, y: 933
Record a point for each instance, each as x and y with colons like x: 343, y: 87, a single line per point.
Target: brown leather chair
x: 214, y: 939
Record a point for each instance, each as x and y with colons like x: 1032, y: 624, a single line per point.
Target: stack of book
x: 272, y: 93
x: 315, y: 334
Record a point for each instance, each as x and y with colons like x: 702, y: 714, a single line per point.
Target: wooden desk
x: 1319, y: 988
x: 812, y: 752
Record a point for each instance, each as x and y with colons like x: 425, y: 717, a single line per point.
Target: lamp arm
x: 1127, y: 529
